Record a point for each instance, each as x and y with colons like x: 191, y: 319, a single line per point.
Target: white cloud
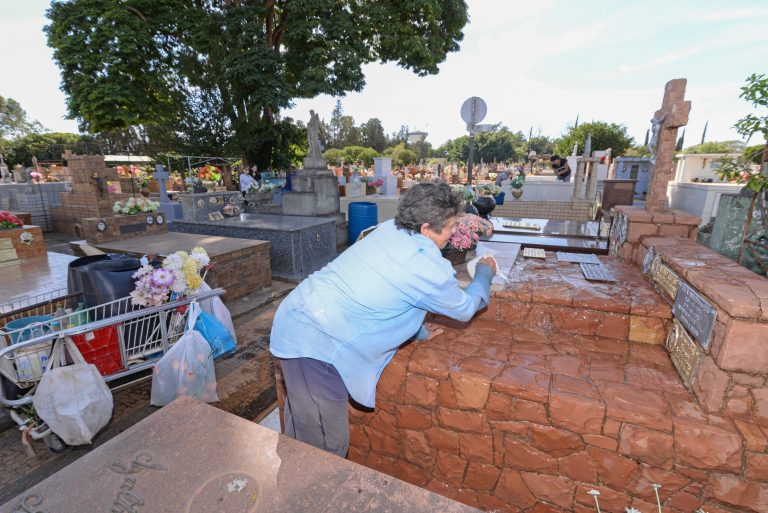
x: 664, y: 59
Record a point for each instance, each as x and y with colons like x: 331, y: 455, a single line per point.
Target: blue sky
x: 536, y: 64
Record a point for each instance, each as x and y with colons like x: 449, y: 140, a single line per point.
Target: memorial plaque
x: 133, y: 228
x: 684, y: 353
x: 215, y: 216
x: 596, y: 272
x: 522, y: 225
x: 667, y: 280
x: 587, y: 258
x: 534, y: 253
x: 695, y: 313
x: 648, y: 261
x: 218, y: 463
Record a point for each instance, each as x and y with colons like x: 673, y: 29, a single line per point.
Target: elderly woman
x: 338, y: 329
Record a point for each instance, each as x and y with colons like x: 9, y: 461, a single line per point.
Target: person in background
x: 503, y: 175
x: 245, y: 179
x: 561, y: 168
x: 336, y: 332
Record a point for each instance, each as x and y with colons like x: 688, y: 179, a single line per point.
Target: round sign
x: 473, y: 110
x: 160, y: 219
x: 101, y: 225
x: 150, y: 220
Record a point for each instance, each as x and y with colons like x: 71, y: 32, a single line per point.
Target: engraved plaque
x: 684, y: 353
x: 648, y: 261
x: 667, y: 280
x: 133, y: 228
x: 587, y: 258
x: 695, y: 313
x: 596, y: 272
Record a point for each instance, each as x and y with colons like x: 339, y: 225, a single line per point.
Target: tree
x: 401, y: 156
x: 138, y: 62
x: 334, y: 127
x: 542, y: 145
x: 499, y: 145
x: 334, y: 156
x: 373, y: 134
x: 13, y: 120
x: 604, y: 135
x: 637, y: 151
x: 359, y: 153
x: 350, y: 135
x: 49, y: 147
x: 716, y: 147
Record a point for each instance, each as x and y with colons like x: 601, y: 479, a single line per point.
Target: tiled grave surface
x: 561, y: 387
x: 35, y: 276
x: 552, y: 295
x: 510, y: 418
x: 156, y: 465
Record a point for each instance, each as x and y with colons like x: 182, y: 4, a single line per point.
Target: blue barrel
x: 362, y: 215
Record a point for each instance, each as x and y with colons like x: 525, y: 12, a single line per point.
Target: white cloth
x: 245, y: 181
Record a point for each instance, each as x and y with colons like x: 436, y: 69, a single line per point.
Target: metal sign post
x: 473, y: 111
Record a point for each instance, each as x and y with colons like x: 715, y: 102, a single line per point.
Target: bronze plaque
x: 684, y: 352
x: 695, y: 313
x: 667, y: 280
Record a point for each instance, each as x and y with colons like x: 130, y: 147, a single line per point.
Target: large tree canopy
x: 604, y: 136
x: 139, y: 62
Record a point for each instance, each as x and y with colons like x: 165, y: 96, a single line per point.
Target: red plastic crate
x: 101, y: 348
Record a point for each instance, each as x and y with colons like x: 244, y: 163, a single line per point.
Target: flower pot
x: 499, y: 198
x: 516, y: 193
x: 453, y: 255
x: 484, y: 206
x: 209, y: 185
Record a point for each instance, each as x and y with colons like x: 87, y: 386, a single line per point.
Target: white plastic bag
x: 185, y: 370
x: 73, y: 400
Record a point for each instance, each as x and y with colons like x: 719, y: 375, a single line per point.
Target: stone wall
x: 731, y: 373
x: 36, y: 199
x: 196, y: 207
x: 576, y: 210
x: 632, y: 224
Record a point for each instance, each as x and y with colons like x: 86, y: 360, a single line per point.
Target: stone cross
x: 161, y: 175
x: 672, y: 115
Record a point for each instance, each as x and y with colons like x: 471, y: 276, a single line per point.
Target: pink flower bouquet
x: 469, y: 228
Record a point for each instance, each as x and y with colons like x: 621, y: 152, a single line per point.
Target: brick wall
x: 632, y: 224
x: 36, y: 248
x: 120, y: 227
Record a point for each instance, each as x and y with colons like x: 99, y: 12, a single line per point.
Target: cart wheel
x: 56, y: 445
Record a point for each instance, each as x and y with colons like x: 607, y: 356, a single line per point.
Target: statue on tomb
x: 5, y: 175
x: 18, y: 172
x: 656, y: 122
x: 313, y: 136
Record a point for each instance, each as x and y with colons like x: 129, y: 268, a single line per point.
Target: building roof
x: 128, y: 159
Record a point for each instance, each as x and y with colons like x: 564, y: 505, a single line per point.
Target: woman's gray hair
x: 431, y: 203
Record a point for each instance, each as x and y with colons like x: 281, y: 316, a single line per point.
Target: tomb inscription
x: 684, y: 353
x: 133, y: 228
x: 667, y: 280
x: 695, y: 313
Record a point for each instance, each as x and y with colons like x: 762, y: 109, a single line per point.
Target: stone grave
x: 315, y: 188
x: 298, y: 245
x: 240, y: 266
x: 220, y: 463
x: 550, y: 234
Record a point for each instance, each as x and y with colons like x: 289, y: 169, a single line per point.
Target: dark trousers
x: 316, y: 404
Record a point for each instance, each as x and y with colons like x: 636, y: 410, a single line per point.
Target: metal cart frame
x: 144, y: 336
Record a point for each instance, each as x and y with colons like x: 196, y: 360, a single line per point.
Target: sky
x: 537, y: 64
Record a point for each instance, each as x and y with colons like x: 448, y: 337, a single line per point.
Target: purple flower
x: 162, y: 278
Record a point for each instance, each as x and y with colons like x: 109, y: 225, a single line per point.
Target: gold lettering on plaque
x: 667, y: 280
x: 684, y: 353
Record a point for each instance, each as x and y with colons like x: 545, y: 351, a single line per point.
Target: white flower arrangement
x: 264, y: 187
x: 179, y: 276
x: 133, y: 206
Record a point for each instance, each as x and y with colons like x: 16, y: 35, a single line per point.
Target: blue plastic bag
x: 214, y: 332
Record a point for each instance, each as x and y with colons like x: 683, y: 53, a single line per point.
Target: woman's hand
x: 490, y: 262
x: 434, y: 330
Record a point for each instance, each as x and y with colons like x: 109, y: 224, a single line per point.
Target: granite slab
x: 191, y: 457
x: 299, y: 245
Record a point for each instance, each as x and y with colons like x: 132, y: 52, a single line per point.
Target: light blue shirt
x: 356, y: 311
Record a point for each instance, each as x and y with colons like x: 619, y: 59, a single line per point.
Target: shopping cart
x: 121, y: 339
